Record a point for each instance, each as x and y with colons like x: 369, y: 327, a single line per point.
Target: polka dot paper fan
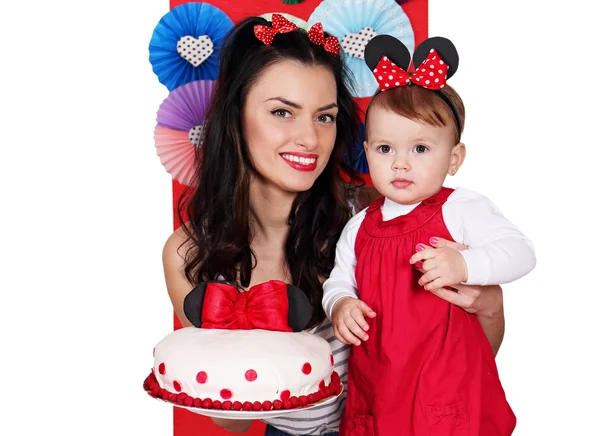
x: 354, y: 23
x: 179, y: 128
x: 186, y: 43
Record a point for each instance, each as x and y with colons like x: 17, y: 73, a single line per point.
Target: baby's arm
x: 340, y: 297
x: 498, y: 252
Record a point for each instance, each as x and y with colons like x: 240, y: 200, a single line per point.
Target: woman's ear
x: 459, y: 152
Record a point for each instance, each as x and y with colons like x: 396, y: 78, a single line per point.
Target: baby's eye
x: 421, y: 149
x: 385, y: 149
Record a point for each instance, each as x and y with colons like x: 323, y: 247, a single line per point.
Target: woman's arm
x: 178, y: 287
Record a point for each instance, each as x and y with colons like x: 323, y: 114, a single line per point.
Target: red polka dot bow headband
x: 436, y: 60
x: 316, y: 35
x: 272, y: 305
x: 280, y: 25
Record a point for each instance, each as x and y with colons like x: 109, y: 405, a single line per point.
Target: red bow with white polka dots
x: 264, y: 306
x: 431, y: 74
x: 316, y: 35
x: 280, y: 25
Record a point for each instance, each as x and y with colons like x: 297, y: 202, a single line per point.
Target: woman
x: 270, y: 201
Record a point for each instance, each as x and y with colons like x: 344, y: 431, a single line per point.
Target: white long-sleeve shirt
x: 498, y: 252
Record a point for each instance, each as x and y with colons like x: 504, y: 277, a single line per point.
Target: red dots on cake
x: 207, y: 403
x: 177, y: 386
x: 251, y: 375
x: 306, y: 368
x: 331, y: 361
x: 188, y: 401
x: 285, y: 395
x: 257, y: 406
x: 247, y: 406
x: 277, y: 405
x: 181, y: 397
x: 201, y: 377
x: 197, y: 402
x: 216, y: 404
x: 237, y: 405
x: 162, y: 369
x: 226, y: 405
x: 303, y: 400
x: 226, y: 394
x: 322, y: 385
x: 294, y: 401
x: 266, y: 405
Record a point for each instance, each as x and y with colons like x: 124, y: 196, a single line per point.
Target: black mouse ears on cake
x: 273, y: 305
x: 435, y: 60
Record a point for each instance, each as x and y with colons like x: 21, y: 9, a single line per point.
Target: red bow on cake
x: 264, y: 306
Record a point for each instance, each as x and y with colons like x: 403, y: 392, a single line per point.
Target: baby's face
x: 409, y: 160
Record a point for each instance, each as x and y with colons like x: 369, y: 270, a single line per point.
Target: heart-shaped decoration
x: 354, y: 44
x: 195, y: 135
x: 195, y: 50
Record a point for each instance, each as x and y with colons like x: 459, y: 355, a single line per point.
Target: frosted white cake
x: 242, y: 369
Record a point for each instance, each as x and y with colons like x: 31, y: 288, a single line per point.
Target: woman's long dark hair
x: 217, y: 202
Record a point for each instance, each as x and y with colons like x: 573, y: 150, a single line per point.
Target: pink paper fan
x: 176, y: 152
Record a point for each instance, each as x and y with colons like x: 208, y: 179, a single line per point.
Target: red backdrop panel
x: 187, y: 423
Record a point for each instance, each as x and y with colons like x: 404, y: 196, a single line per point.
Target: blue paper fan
x: 358, y: 152
x: 354, y: 23
x: 186, y: 43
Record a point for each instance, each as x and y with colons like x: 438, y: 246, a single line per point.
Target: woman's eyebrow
x: 297, y: 106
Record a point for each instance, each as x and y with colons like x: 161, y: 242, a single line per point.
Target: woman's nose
x: 306, y: 135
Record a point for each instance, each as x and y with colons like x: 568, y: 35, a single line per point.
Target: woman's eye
x: 326, y: 118
x: 420, y: 149
x: 384, y: 149
x: 281, y: 113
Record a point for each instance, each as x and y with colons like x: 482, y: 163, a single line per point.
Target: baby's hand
x: 348, y: 320
x: 443, y: 266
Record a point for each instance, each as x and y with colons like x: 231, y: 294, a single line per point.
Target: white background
x: 86, y: 207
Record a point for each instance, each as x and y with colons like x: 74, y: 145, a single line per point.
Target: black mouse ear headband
x: 272, y: 305
x: 435, y: 61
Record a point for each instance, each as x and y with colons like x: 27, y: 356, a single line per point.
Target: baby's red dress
x: 427, y: 368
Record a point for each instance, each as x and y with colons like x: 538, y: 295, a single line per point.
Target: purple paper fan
x: 185, y: 107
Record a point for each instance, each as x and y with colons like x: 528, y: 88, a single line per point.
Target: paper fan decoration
x: 179, y: 128
x: 186, y: 42
x: 354, y: 23
x: 297, y: 21
x: 358, y: 152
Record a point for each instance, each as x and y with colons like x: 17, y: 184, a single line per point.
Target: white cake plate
x: 250, y: 415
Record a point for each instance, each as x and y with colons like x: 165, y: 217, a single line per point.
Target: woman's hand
x: 486, y: 302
